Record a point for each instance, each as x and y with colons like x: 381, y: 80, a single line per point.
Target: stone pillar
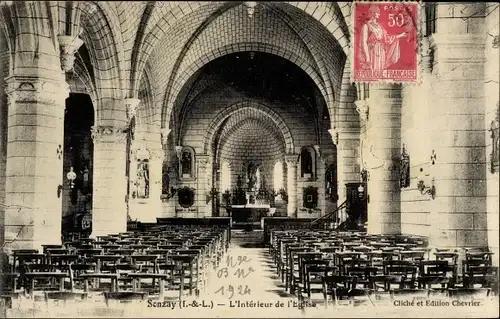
x: 417, y: 210
x: 347, y: 159
x: 381, y: 155
x: 492, y: 110
x: 346, y: 134
x: 109, y: 215
x: 460, y: 170
x: 34, y: 166
x: 203, y: 177
x: 155, y: 182
x: 291, y: 165
x: 168, y: 203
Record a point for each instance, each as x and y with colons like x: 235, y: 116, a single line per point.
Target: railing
x: 337, y: 217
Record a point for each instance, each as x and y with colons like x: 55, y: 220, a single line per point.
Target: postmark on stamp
x: 385, y: 42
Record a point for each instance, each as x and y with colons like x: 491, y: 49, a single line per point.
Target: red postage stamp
x: 385, y: 41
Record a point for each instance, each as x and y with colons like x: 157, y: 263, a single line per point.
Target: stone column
x: 347, y: 159
x: 155, y: 182
x: 381, y: 155
x: 417, y: 210
x: 346, y: 134
x: 291, y: 183
x: 34, y: 166
x: 492, y: 110
x: 109, y: 215
x: 460, y: 170
x: 203, y: 176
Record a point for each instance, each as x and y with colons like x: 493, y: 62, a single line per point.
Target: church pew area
x: 316, y: 272
x: 159, y: 261
x: 353, y: 268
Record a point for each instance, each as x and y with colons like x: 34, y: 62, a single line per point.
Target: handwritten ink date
x: 240, y: 272
x: 230, y: 291
x: 231, y: 263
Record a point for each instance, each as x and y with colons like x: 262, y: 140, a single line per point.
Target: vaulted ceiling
x: 136, y: 46
x: 168, y: 43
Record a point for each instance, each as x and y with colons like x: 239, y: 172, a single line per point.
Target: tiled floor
x: 245, y: 285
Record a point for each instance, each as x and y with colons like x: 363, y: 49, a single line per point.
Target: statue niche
x: 186, y: 163
x: 142, y: 181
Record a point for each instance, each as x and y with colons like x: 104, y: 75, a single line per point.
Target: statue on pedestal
x: 186, y: 162
x: 251, y: 176
x: 142, y: 180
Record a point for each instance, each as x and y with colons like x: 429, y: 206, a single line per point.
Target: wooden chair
x: 312, y: 271
x: 436, y: 272
x: 478, y: 271
x: 343, y: 288
x: 43, y: 277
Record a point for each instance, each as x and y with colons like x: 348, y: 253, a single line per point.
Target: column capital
x: 68, y: 44
x: 363, y: 108
x: 108, y: 134
x: 32, y: 89
x: 131, y: 105
x: 335, y: 135
x: 202, y: 160
x: 165, y: 132
x: 291, y: 159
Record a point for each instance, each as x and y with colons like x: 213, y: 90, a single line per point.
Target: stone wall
x: 491, y: 101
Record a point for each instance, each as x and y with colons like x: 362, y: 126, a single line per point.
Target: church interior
x: 169, y: 152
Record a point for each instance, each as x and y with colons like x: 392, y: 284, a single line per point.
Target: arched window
x: 225, y: 176
x: 307, y: 162
x: 278, y: 176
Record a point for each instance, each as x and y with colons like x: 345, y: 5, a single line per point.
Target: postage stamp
x: 385, y: 42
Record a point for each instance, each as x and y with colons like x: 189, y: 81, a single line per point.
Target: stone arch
x: 154, y: 29
x: 235, y: 48
x: 331, y: 16
x: 103, y: 38
x: 231, y: 110
x: 184, y: 59
x: 81, y: 73
x: 231, y: 127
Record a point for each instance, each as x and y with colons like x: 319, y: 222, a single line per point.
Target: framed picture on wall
x: 309, y: 198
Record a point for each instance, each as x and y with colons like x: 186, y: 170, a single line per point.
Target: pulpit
x: 357, y: 203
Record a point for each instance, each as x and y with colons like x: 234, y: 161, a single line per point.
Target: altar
x: 250, y: 213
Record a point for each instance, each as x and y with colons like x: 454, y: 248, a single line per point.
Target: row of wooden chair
x: 356, y: 264
x: 126, y: 265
